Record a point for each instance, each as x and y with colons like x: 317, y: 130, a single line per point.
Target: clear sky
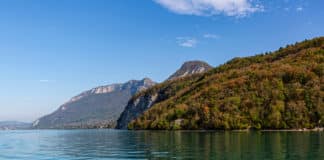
x: 51, y: 50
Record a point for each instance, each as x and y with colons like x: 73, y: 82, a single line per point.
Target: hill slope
x: 280, y: 90
x: 98, y: 107
x: 138, y: 104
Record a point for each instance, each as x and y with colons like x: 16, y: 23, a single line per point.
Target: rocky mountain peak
x: 190, y: 67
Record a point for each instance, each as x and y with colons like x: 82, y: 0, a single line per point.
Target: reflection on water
x: 115, y: 144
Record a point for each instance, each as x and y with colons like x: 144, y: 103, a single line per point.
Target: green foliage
x: 279, y: 90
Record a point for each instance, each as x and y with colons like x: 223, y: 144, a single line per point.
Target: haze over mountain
x: 13, y: 125
x: 95, y: 108
x: 279, y: 90
x: 139, y: 103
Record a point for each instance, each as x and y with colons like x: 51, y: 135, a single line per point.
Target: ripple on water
x: 114, y: 144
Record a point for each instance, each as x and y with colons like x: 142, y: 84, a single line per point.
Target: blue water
x: 115, y: 144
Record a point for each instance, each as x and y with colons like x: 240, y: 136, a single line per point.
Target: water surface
x: 117, y: 144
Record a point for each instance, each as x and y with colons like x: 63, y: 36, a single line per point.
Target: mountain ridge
x: 95, y: 108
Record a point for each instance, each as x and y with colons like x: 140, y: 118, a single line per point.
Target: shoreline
x: 296, y: 130
x: 317, y: 129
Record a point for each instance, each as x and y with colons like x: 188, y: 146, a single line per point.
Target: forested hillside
x: 279, y: 90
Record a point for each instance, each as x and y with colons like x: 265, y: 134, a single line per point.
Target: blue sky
x: 52, y: 50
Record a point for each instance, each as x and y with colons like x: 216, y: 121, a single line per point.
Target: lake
x: 119, y: 144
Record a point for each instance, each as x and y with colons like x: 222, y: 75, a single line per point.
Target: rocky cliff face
x: 135, y: 108
x: 98, y: 107
x: 141, y: 102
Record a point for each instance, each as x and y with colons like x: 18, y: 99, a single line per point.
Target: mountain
x: 95, y: 108
x: 141, y: 102
x: 13, y: 125
x: 189, y: 68
x: 278, y: 90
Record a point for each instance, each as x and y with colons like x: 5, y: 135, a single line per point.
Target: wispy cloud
x: 211, y: 36
x: 237, y: 8
x: 299, y: 9
x: 187, y: 42
x: 45, y: 80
